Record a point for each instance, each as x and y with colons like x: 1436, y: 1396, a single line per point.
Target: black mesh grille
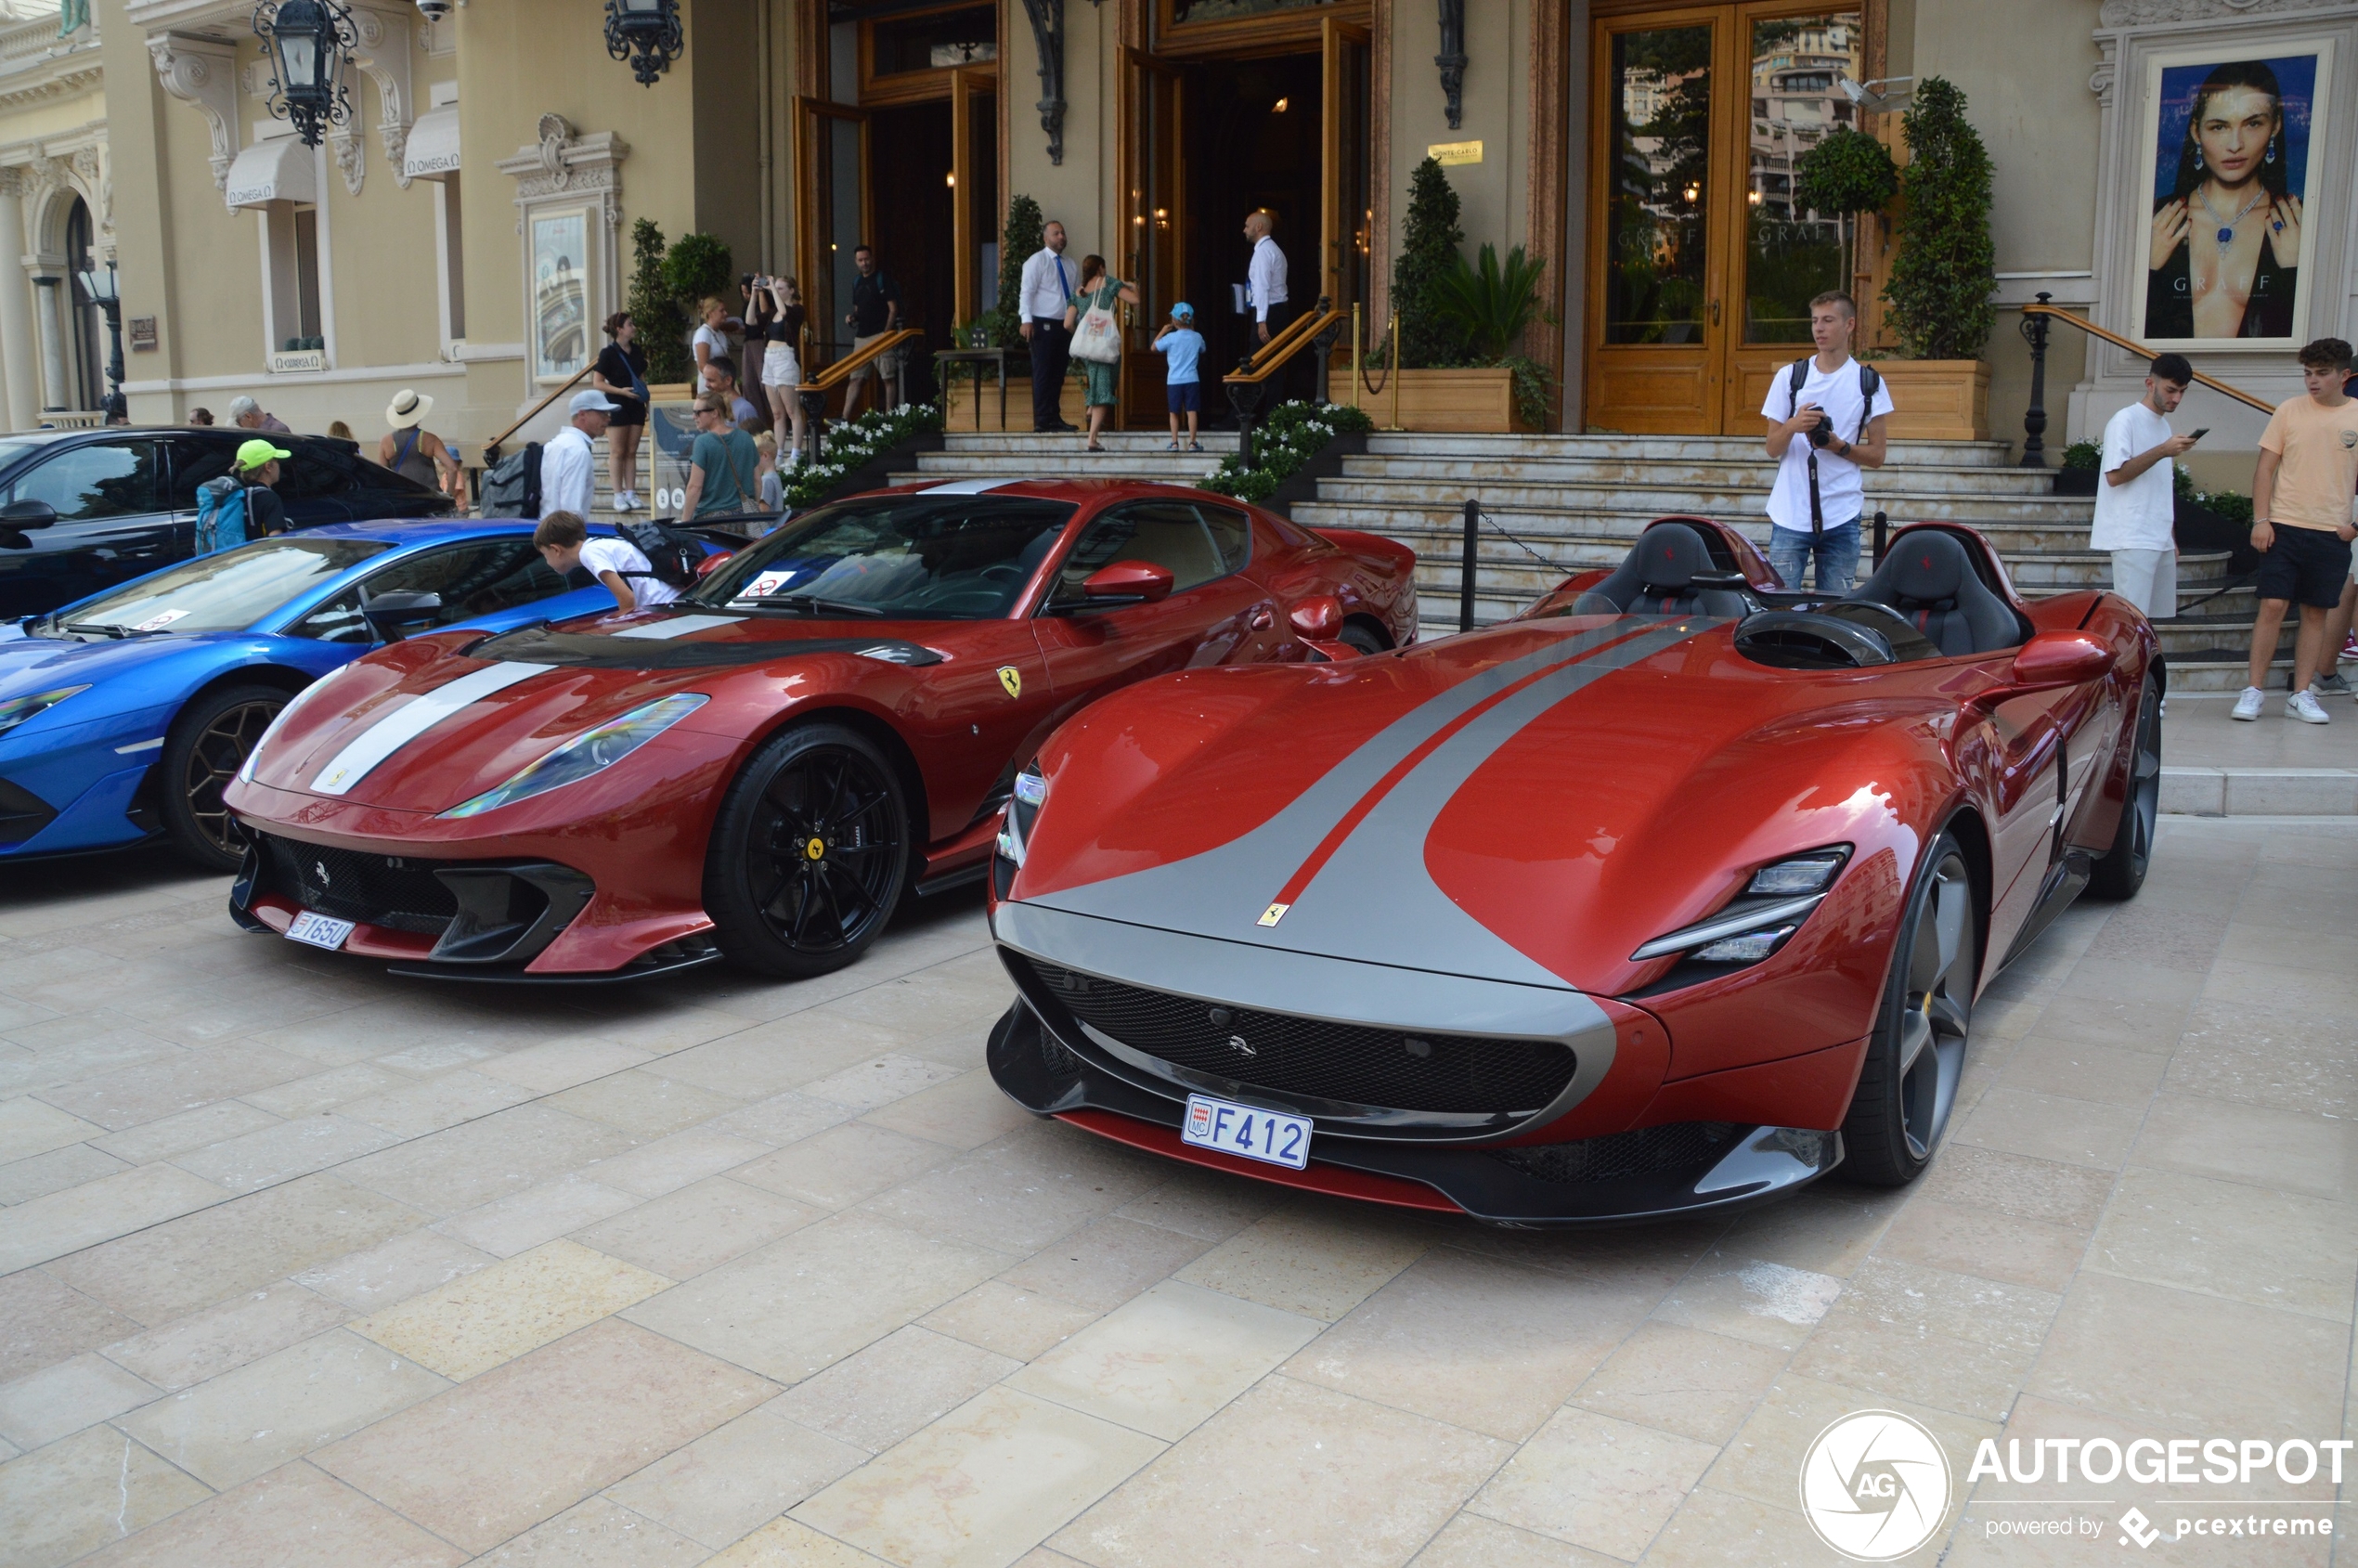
x: 1680, y: 1145
x: 1370, y: 1067
x: 399, y: 893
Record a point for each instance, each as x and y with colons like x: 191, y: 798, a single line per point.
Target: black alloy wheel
x: 1917, y: 1054
x: 1362, y: 638
x: 809, y: 853
x: 2121, y: 870
x: 202, y: 751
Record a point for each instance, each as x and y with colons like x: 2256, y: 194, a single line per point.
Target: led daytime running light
x: 15, y: 710
x: 591, y: 752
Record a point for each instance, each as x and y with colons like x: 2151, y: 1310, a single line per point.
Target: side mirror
x: 387, y: 612
x: 1128, y: 582
x: 711, y: 565
x: 1318, y: 617
x: 2060, y: 659
x: 28, y: 515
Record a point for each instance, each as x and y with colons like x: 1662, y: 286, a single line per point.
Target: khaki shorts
x: 887, y: 364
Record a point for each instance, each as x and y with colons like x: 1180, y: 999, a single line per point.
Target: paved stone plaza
x: 301, y: 1265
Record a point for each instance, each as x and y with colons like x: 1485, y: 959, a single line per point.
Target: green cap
x: 254, y: 453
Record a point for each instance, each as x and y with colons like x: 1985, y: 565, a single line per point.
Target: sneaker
x: 2350, y: 647
x: 625, y: 502
x: 2334, y: 685
x: 2248, y: 705
x: 2303, y: 706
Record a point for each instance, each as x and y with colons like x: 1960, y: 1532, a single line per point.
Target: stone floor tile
x: 807, y: 1300
x: 286, y: 1150
x: 151, y: 1091
x: 1828, y: 1227
x: 964, y: 1112
x: 1210, y: 1205
x: 561, y: 1064
x: 2267, y: 1058
x: 190, y: 1130
x: 293, y: 1515
x: 904, y: 1380
x: 29, y: 1127
x: 467, y: 1166
x: 1022, y: 1192
x: 325, y: 1091
x: 524, y: 1442
x: 2113, y: 1074
x: 878, y: 1081
x: 1317, y: 1258
x: 646, y: 1101
x: 412, y: 1110
x: 2327, y: 993
x: 524, y: 1220
x: 41, y: 1175
x: 596, y: 1534
x: 2294, y: 1150
x: 1595, y: 1482
x: 2226, y: 1238
x: 1021, y: 1324
x: 787, y: 1542
x: 981, y: 1485
x: 206, y: 1343
x: 1472, y: 1541
x: 699, y: 1227
x: 72, y: 1497
x: 1105, y: 1261
x: 669, y: 1164
x: 377, y: 1278
x: 1981, y: 1241
x: 837, y: 1167
x: 767, y: 1059
x: 788, y: 1118
x: 1294, y: 1473
x: 59, y: 1401
x: 2115, y: 979
x: 259, y: 1416
x: 1713, y: 1529
x: 732, y: 1478
x: 1682, y: 1380
x: 43, y: 1228
x: 2256, y: 1371
x: 1763, y: 1461
x: 1473, y: 1341
x: 1750, y: 1299
x: 1168, y: 1360
x: 497, y: 1314
x: 660, y: 1021
x: 2137, y: 1025
x: 1642, y: 1258
x: 1954, y: 1342
x: 44, y: 1321
x: 2070, y: 1196
x: 45, y: 1065
x: 170, y: 1270
x: 2049, y: 1127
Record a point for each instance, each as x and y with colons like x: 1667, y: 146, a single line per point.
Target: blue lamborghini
x: 124, y: 714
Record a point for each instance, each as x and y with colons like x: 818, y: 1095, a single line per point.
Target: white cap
x: 592, y: 402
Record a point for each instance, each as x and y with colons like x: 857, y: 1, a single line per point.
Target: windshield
x: 222, y: 592
x: 896, y: 557
x: 17, y: 446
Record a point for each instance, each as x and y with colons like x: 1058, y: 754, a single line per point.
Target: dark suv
x: 81, y: 510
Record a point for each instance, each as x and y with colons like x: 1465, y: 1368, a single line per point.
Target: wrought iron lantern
x: 645, y: 32
x: 307, y: 41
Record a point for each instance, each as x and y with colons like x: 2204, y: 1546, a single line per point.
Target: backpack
x: 675, y: 555
x: 1869, y: 382
x: 511, y: 486
x: 221, y: 515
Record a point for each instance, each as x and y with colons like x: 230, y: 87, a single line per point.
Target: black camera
x: 1822, y: 433
x: 744, y: 281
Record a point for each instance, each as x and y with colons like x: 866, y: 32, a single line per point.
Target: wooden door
x: 831, y: 217
x: 974, y: 169
x: 1346, y: 198
x: 1154, y: 217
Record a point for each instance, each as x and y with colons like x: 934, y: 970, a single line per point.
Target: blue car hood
x: 43, y: 663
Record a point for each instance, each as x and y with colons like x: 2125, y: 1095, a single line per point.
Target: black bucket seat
x: 1928, y: 577
x: 1658, y: 579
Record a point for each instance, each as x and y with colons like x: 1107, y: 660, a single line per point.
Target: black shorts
x: 2305, y: 565
x: 627, y: 410
x: 1184, y: 397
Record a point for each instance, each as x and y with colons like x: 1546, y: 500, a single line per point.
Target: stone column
x: 17, y: 378
x: 52, y: 348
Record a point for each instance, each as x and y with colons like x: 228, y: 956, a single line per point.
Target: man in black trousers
x: 1048, y: 282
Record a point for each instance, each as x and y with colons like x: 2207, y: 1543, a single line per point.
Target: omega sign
x: 434, y: 164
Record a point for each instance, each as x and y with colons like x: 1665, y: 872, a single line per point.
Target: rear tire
x: 207, y: 743
x: 1364, y: 639
x: 778, y: 908
x: 2121, y: 871
x: 1909, y: 1082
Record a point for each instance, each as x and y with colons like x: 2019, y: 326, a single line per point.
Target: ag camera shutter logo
x: 1875, y: 1485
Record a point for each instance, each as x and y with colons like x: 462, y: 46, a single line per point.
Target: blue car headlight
x: 15, y: 710
x: 590, y: 752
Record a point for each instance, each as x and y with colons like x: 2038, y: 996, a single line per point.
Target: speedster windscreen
x: 227, y: 591
x: 958, y: 557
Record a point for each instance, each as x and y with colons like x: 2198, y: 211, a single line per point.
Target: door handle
x: 1714, y: 313
x: 1263, y: 617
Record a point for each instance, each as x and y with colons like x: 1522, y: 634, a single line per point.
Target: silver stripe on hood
x: 406, y: 721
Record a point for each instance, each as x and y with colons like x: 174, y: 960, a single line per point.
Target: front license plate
x: 318, y: 930
x: 1268, y: 1135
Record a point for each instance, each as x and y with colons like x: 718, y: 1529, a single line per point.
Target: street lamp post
x: 106, y: 292
x: 307, y: 43
x: 646, y: 34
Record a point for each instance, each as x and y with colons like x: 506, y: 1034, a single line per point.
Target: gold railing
x: 836, y: 374
x: 1273, y: 355
x: 2142, y: 352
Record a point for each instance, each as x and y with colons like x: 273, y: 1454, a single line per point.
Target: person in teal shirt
x: 723, y: 465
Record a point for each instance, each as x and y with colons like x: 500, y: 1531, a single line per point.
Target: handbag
x: 1098, y: 337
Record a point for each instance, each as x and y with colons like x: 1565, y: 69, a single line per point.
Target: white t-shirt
x: 1842, y: 494
x: 2137, y: 515
x: 620, y: 555
x: 711, y: 339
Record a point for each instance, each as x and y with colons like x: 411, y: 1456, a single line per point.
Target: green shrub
x: 2229, y: 506
x: 1431, y: 250
x: 1290, y: 436
x: 1847, y: 171
x: 847, y: 445
x: 662, y: 327
x: 2083, y: 454
x: 1019, y: 240
x: 698, y: 267
x: 1487, y: 306
x: 1945, y: 271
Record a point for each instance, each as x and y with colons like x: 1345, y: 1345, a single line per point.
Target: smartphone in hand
x: 2197, y: 434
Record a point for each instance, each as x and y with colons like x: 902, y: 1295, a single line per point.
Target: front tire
x: 778, y: 907
x: 202, y: 751
x: 2121, y: 870
x: 1363, y: 638
x: 1909, y: 1083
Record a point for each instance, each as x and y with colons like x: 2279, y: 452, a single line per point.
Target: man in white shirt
x: 1822, y: 433
x: 1265, y: 293
x: 1048, y: 281
x: 564, y: 541
x: 568, y: 467
x: 2136, y: 507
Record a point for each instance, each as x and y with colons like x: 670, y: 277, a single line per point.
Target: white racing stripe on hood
x: 405, y: 723
x: 678, y: 626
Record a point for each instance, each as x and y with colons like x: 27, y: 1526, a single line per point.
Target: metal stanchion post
x: 1465, y: 570
x: 1392, y: 373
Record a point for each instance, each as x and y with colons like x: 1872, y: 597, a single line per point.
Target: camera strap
x: 1794, y: 381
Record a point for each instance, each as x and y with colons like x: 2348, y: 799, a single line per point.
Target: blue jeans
x: 1836, y: 550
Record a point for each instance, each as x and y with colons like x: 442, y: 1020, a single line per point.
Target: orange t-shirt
x: 2317, y: 471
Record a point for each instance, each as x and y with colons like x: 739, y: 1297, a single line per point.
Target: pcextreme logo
x: 1875, y: 1485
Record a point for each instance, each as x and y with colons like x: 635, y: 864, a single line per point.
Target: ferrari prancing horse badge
x: 1012, y: 678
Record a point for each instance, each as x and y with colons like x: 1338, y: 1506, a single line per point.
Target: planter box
x: 2076, y: 481
x: 1443, y: 402
x: 959, y: 409
x: 1938, y: 399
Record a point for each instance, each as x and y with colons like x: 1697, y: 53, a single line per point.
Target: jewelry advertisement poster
x: 2233, y: 145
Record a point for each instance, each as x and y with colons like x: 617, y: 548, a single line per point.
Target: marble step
x: 1658, y: 448
x: 1751, y: 474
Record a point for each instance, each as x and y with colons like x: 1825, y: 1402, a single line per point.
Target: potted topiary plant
x: 2078, y: 475
x: 1847, y: 174
x: 1943, y: 274
x: 1002, y: 327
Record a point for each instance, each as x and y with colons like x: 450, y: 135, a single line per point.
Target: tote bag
x: 1098, y: 337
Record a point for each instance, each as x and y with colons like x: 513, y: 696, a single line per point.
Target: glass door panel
x: 1347, y: 136
x: 973, y: 174
x: 831, y: 210
x: 1154, y: 215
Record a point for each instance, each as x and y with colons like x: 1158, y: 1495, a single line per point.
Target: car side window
x: 307, y: 476
x: 1171, y: 534
x: 1231, y: 533
x: 479, y: 577
x: 87, y: 483
x: 195, y: 459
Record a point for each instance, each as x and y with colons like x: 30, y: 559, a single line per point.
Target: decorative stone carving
x: 1048, y: 33
x: 2149, y: 13
x: 384, y: 57
x: 201, y: 72
x: 1452, y: 60
x: 560, y: 172
x: 352, y: 159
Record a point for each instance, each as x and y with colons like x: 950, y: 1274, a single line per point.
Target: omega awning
x: 280, y: 169
x: 432, y: 149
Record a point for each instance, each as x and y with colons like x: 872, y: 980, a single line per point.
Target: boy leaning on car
x: 2301, y: 523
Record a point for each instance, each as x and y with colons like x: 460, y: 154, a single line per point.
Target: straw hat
x: 407, y: 408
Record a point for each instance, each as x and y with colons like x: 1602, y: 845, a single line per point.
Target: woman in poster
x: 2226, y: 240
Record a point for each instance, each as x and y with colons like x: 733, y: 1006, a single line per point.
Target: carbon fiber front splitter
x: 1051, y: 1074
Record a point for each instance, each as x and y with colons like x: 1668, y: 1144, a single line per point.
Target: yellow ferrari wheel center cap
x: 816, y: 849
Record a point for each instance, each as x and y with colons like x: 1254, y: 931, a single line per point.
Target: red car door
x: 2040, y: 775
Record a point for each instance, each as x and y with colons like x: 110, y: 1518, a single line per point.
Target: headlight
x: 1775, y: 901
x: 1812, y: 873
x: 588, y: 753
x: 15, y: 710
x: 1023, y: 809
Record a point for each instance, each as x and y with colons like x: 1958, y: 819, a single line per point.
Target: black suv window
x: 1171, y: 534
x: 309, y: 475
x: 196, y: 459
x: 100, y: 479
x: 477, y: 579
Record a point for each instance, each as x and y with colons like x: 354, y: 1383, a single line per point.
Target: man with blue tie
x: 1047, y: 289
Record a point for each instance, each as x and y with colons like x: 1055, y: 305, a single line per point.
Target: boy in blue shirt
x: 1181, y: 347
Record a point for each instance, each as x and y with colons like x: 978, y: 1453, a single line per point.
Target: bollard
x: 1466, y: 571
